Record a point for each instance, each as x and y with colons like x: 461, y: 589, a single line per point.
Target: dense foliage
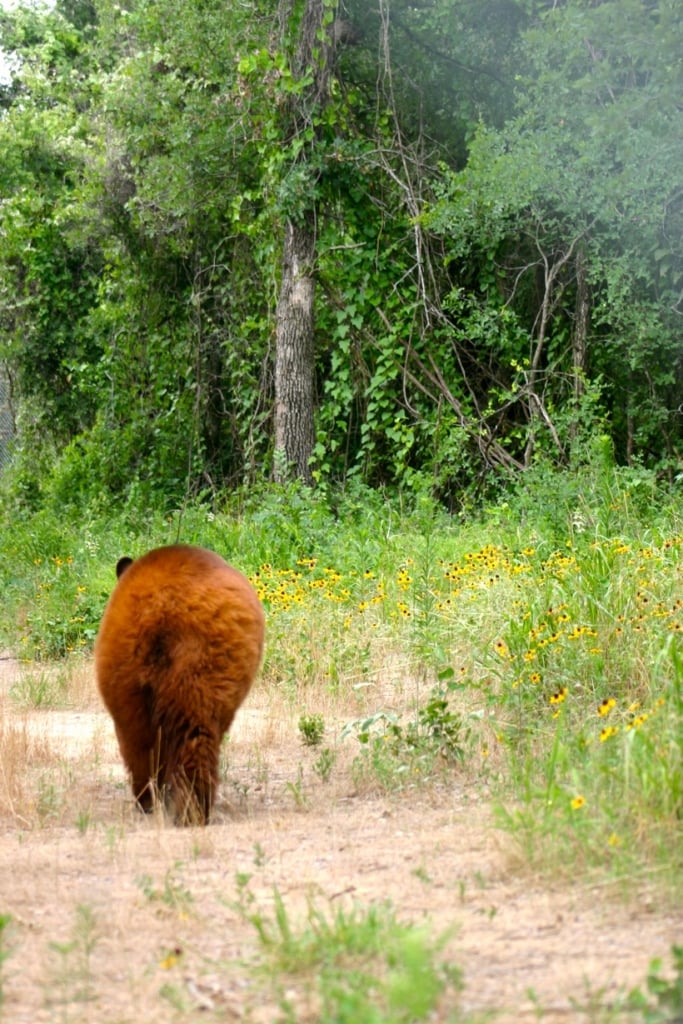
x: 496, y: 193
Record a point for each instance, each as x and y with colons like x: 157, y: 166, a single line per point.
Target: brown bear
x: 178, y: 647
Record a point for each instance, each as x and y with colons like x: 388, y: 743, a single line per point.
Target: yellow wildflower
x: 502, y: 649
x: 170, y: 960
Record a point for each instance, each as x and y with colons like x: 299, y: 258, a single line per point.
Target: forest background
x: 417, y: 246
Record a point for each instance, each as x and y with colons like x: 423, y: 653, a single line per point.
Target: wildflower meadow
x: 545, y: 660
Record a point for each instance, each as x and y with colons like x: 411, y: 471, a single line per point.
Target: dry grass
x: 118, y: 918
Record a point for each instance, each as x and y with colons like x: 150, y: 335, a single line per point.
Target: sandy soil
x: 121, y: 918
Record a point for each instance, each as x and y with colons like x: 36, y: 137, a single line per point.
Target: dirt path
x: 157, y: 936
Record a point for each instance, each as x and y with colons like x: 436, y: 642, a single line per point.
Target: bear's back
x: 180, y: 614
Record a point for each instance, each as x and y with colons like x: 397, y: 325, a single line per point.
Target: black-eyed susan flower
x: 608, y: 732
x: 403, y: 579
x: 502, y: 649
x: 638, y: 721
x: 171, y: 959
x: 559, y: 696
x: 606, y: 706
x: 577, y: 802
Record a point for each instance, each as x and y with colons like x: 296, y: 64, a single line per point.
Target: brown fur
x: 179, y: 645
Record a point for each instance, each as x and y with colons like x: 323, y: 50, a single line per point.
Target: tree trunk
x: 294, y: 350
x: 294, y: 356
x: 581, y: 325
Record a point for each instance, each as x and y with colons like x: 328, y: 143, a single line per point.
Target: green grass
x: 548, y: 662
x: 72, y: 982
x: 662, y: 1001
x: 349, y: 964
x: 5, y: 951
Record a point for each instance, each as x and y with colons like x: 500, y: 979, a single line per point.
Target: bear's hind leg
x: 194, y: 781
x: 142, y: 762
x: 140, y: 746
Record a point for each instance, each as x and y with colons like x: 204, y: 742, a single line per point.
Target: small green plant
x: 312, y: 730
x: 5, y: 951
x: 173, y: 893
x: 50, y: 799
x: 439, y: 729
x: 73, y: 978
x: 353, y: 964
x: 377, y: 761
x: 297, y: 789
x: 663, y: 1002
x: 324, y: 764
x: 83, y: 820
x: 40, y: 689
x: 176, y: 996
x: 397, y: 753
x: 113, y: 835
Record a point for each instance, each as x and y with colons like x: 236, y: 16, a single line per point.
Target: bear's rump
x: 179, y: 645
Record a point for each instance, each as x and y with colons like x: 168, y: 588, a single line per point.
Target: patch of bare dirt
x: 119, y: 918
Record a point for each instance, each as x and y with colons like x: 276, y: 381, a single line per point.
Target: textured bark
x: 294, y: 350
x: 581, y: 325
x: 294, y: 355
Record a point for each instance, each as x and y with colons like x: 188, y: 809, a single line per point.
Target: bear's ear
x: 122, y: 565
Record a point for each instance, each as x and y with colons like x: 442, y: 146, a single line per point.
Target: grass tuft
x: 348, y: 964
